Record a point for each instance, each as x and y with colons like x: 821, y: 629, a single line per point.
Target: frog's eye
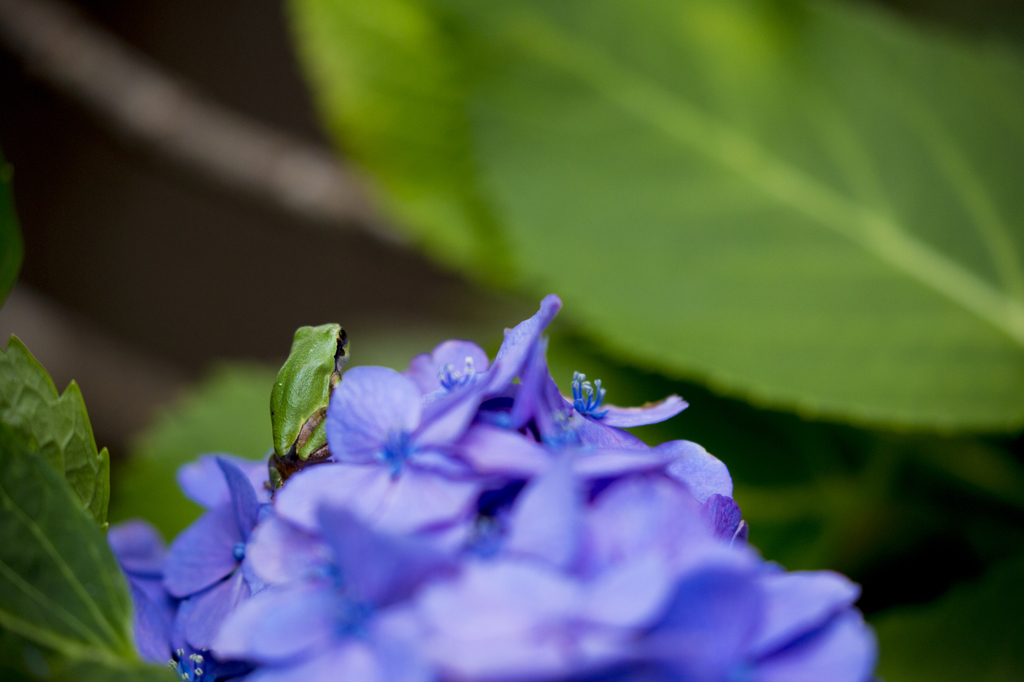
x: 341, y: 353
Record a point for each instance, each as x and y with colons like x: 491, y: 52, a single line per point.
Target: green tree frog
x: 298, y: 403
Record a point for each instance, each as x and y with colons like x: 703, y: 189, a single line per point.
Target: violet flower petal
x: 424, y: 369
x: 447, y: 418
x: 608, y: 462
x: 494, y: 450
x: 630, y: 596
x: 370, y: 407
x: 708, y: 625
x: 243, y: 497
x: 798, y: 602
x: 591, y: 432
x: 845, y: 651
x: 703, y: 473
x: 518, y: 344
x: 485, y: 624
x: 363, y: 489
x: 203, y: 482
x: 203, y: 553
x: 351, y: 660
x: 723, y: 516
x: 546, y: 520
x: 376, y: 569
x: 419, y: 499
x: 151, y: 624
x: 280, y: 624
x: 208, y: 610
x: 138, y: 546
x: 280, y: 552
x: 651, y: 413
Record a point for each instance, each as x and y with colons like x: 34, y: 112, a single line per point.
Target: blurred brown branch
x: 163, y: 114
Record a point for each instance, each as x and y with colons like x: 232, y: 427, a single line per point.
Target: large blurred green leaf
x: 60, y: 586
x: 228, y: 413
x: 10, y: 236
x: 973, y: 633
x: 57, y: 424
x: 810, y: 204
x: 65, y: 611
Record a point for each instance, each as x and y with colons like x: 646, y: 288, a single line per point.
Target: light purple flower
x: 452, y: 364
x: 206, y: 565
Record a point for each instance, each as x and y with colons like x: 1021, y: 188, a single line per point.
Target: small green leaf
x: 227, y: 413
x: 975, y: 632
x: 57, y: 425
x: 11, y: 247
x: 812, y: 205
x: 60, y: 586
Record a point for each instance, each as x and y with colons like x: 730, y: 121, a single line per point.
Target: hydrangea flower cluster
x: 473, y: 523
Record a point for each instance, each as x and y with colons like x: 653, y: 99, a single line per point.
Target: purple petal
x: 590, y: 432
x: 643, y: 516
x: 352, y: 660
x: 651, y: 413
x: 708, y: 625
x: 363, y: 489
x: 446, y: 419
x: 799, y: 602
x: 608, y: 462
x: 419, y: 499
x: 546, y: 521
x: 723, y: 516
x: 518, y: 344
x: 203, y: 553
x: 424, y: 368
x: 280, y: 552
x: 207, y: 610
x: 138, y: 546
x: 279, y: 624
x: 370, y: 406
x: 243, y: 497
x: 703, y: 473
x: 377, y: 569
x: 845, y: 651
x: 630, y: 596
x: 489, y: 623
x: 494, y: 450
x: 203, y: 482
x: 152, y: 626
x: 538, y: 398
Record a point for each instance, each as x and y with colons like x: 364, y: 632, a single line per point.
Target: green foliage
x: 60, y: 586
x: 973, y: 633
x: 228, y: 413
x: 11, y: 248
x: 55, y: 424
x: 809, y: 204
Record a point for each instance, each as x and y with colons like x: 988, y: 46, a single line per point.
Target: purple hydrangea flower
x: 206, y: 566
x: 472, y: 527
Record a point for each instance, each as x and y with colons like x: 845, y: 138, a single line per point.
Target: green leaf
x: 11, y: 247
x: 973, y: 633
x: 811, y: 205
x: 55, y: 424
x: 60, y: 586
x: 227, y: 413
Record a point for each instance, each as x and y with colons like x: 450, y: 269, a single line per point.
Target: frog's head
x: 303, y: 388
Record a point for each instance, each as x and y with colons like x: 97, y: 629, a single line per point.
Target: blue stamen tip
x: 587, y: 397
x: 238, y: 551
